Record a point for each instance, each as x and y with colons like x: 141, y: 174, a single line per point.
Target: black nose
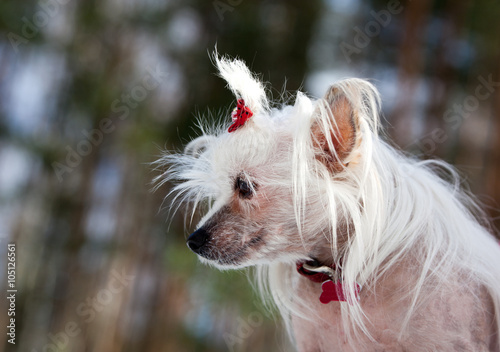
x: 197, y: 240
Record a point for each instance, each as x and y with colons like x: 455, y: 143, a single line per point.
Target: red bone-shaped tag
x: 334, y: 292
x: 240, y: 115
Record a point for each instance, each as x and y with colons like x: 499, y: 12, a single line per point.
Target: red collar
x: 332, y: 290
x: 314, y: 276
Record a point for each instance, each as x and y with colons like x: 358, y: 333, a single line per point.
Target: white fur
x: 395, y: 204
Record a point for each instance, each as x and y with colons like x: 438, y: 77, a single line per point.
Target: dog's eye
x: 244, y: 188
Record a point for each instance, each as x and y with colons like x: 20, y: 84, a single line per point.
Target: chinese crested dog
x: 360, y: 247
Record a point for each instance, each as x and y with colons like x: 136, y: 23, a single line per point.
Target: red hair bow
x: 240, y: 115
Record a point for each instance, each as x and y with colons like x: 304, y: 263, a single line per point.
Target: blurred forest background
x: 92, y: 91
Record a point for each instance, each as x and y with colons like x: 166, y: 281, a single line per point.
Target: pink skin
x: 449, y: 317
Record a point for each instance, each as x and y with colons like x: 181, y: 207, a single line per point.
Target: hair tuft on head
x: 242, y: 83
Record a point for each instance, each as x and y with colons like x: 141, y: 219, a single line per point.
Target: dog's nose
x: 197, y: 239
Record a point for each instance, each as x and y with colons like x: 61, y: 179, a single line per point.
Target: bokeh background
x: 92, y: 91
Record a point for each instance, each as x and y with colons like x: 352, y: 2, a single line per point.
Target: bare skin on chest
x: 451, y: 318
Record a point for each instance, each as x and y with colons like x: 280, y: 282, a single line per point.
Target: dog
x: 359, y: 246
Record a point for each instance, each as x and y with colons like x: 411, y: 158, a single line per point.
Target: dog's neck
x: 323, y: 252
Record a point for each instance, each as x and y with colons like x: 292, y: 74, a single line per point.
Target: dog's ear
x: 334, y: 129
x: 197, y: 146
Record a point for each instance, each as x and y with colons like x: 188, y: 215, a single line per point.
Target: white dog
x: 361, y: 247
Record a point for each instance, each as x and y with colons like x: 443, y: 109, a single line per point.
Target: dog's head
x: 269, y: 183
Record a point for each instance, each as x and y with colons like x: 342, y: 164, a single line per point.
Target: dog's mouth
x: 224, y: 251
x: 224, y: 259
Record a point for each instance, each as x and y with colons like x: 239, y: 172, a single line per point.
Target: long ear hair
x: 336, y: 151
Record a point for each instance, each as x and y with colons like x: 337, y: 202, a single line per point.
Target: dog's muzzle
x: 197, y: 240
